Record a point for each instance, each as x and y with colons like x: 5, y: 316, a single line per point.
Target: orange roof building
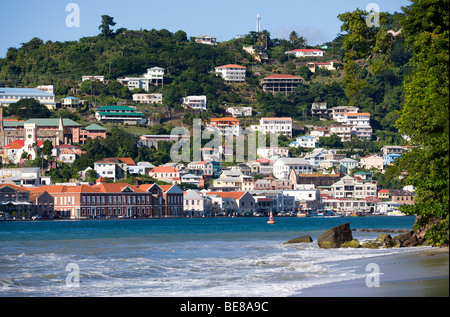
x: 231, y: 73
x: 114, y: 200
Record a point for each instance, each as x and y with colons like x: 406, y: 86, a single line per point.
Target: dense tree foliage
x: 425, y: 114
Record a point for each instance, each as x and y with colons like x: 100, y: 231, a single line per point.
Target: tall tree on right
x: 424, y: 118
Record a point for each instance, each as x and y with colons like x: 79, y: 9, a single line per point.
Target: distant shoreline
x: 424, y: 273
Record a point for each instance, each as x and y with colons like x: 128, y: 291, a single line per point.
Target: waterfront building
x: 351, y: 188
x: 234, y: 203
x: 197, y: 205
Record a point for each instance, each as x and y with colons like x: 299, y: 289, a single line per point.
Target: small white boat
x: 395, y: 213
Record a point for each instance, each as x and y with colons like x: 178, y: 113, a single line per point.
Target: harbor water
x: 200, y: 257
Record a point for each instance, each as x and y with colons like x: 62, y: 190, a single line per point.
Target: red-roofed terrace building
x: 231, y: 73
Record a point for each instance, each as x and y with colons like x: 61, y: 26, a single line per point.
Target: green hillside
x: 190, y: 71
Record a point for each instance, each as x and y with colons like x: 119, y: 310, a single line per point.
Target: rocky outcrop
x: 301, y: 239
x: 334, y: 237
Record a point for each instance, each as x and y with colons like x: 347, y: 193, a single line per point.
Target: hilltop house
x: 154, y: 76
x: 194, y: 102
x: 231, y: 73
x: 306, y: 52
x: 281, y: 83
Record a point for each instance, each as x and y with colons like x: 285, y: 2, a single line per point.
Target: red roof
x: 230, y: 66
x: 164, y: 169
x: 357, y: 114
x: 283, y: 76
x: 18, y: 144
x: 224, y: 119
x: 235, y: 195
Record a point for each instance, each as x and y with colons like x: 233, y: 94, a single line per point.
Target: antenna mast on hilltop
x: 258, y: 23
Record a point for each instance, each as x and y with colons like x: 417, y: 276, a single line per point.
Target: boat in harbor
x: 396, y: 213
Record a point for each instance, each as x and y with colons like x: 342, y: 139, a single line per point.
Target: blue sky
x: 21, y: 20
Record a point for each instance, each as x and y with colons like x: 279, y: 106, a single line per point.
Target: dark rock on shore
x: 341, y: 236
x: 301, y: 239
x: 334, y: 237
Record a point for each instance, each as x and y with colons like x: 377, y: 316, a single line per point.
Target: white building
x: 231, y: 73
x: 226, y: 125
x: 360, y: 122
x: 154, y: 76
x: 240, y: 111
x: 283, y: 166
x: 349, y: 187
x: 93, y: 78
x: 147, y: 98
x: 47, y: 88
x: 344, y: 131
x: 274, y: 125
x: 206, y: 39
x: 337, y: 113
x: 194, y: 102
x: 306, y: 141
x: 70, y: 102
x: 13, y: 95
x: 306, y: 52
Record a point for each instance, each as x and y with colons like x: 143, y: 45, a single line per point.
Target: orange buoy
x: 271, y: 219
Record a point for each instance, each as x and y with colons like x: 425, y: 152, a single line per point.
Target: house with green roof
x: 119, y: 115
x: 92, y: 131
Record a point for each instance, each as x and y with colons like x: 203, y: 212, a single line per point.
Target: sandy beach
x: 424, y: 273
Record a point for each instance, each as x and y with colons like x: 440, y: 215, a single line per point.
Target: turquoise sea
x: 200, y: 257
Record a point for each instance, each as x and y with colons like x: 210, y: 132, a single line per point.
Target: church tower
x: 30, y: 130
x: 60, y: 137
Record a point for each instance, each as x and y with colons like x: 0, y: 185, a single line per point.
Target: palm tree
x: 293, y: 37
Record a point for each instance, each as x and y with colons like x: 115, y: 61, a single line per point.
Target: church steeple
x: 60, y: 139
